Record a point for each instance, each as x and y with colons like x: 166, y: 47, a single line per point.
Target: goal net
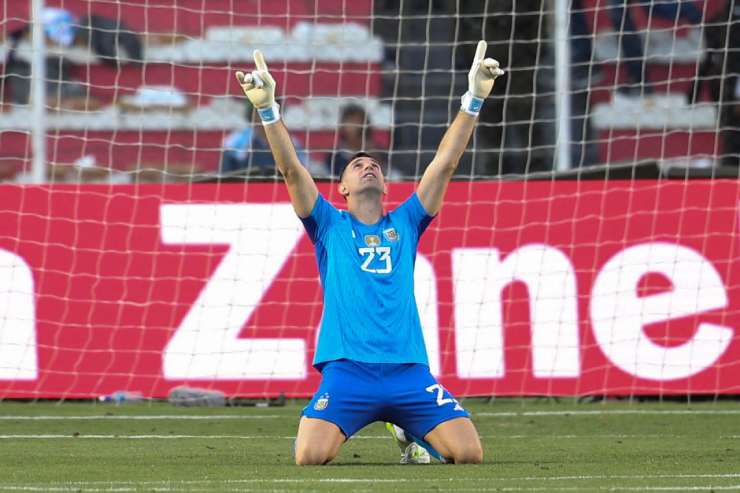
x: 588, y: 244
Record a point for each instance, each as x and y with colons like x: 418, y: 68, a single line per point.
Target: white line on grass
x: 498, y: 414
x: 137, y: 437
x: 67, y: 488
x: 139, y: 486
x: 735, y: 487
x: 391, y: 480
x: 77, y: 489
x: 640, y: 412
x: 567, y: 437
x: 292, y: 437
x: 167, y: 486
x: 604, y: 488
x: 501, y: 414
x: 175, y: 417
x: 494, y: 488
x: 732, y: 487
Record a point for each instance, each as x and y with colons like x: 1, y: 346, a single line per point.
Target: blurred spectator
x: 581, y: 45
x: 110, y: 39
x: 720, y: 69
x: 59, y: 30
x: 583, y: 75
x: 631, y: 41
x: 514, y: 124
x: 730, y: 132
x: 355, y: 135
x: 107, y: 38
x: 247, y: 149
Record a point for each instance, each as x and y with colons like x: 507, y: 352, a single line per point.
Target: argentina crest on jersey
x: 322, y: 402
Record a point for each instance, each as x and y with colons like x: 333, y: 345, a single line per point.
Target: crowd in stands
x: 108, y: 39
x: 518, y: 124
x: 720, y: 70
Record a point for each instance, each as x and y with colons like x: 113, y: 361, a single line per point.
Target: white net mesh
x: 166, y: 251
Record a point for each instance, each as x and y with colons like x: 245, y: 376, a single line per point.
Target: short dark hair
x: 357, y: 155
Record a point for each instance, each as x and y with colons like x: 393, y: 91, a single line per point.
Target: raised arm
x: 259, y: 87
x: 437, y: 176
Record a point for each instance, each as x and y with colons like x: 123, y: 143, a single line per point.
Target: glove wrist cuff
x: 471, y: 104
x: 269, y: 115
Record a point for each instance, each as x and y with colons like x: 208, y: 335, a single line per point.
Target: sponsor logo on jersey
x: 372, y: 240
x: 390, y: 234
x: 322, y: 403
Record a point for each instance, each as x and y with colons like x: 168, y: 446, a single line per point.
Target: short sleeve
x: 322, y: 216
x: 414, y: 212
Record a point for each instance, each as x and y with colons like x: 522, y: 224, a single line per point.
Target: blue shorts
x: 353, y: 394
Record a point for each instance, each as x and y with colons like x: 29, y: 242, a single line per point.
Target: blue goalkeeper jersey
x: 367, y: 272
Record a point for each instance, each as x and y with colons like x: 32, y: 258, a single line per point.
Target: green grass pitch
x: 530, y: 446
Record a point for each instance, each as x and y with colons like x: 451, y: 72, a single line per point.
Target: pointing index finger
x: 259, y: 60
x: 480, y: 52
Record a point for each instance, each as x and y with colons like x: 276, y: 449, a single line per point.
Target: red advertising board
x: 524, y: 288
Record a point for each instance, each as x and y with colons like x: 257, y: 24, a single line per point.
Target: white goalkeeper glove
x: 481, y: 77
x: 259, y: 87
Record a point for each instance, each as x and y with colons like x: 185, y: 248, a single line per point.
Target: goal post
x: 38, y: 89
x: 588, y: 244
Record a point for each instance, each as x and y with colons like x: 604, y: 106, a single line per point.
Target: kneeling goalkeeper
x: 371, y: 350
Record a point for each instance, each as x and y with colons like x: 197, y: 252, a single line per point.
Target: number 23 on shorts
x: 441, y: 399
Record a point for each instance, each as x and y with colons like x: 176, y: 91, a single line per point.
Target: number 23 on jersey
x: 382, y: 265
